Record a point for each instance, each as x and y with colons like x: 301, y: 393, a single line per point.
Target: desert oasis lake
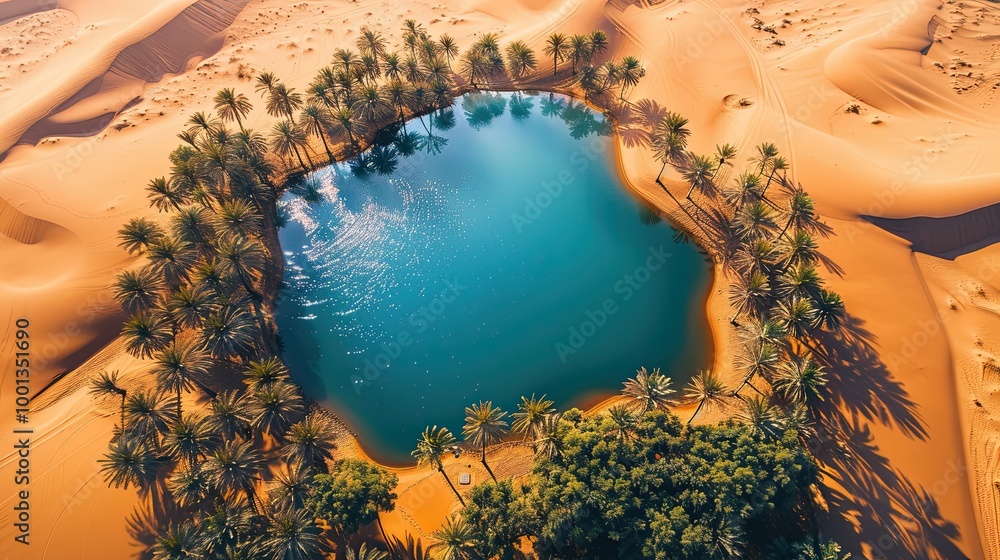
x: 482, y: 252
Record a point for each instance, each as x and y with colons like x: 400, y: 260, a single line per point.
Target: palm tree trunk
x: 298, y: 155
x: 681, y: 206
x: 305, y: 150
x: 453, y: 489
x: 179, y: 401
x: 322, y: 136
x: 487, y: 465
x: 696, y: 411
x: 239, y: 121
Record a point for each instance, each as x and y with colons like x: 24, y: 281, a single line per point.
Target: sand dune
x: 886, y: 111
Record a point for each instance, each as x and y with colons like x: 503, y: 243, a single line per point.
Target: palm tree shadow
x: 870, y: 498
x: 630, y: 126
x: 151, y: 517
x: 863, y: 383
x: 895, y: 517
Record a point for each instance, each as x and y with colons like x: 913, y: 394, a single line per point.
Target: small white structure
x: 465, y: 479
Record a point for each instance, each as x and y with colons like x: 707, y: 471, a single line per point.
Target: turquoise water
x: 487, y: 252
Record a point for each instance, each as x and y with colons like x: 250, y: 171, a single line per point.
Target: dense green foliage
x: 352, y: 495
x: 665, y: 492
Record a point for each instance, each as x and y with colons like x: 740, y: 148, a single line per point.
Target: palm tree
x: 227, y: 526
x: 759, y: 416
x: 232, y: 106
x: 766, y: 152
x: 801, y: 213
x: 777, y: 164
x: 165, y: 195
x: 798, y: 316
x: 454, y: 540
x: 290, y: 488
x: 266, y: 82
x: 229, y: 416
x: 751, y: 295
x: 189, y: 439
x: 343, y: 119
x: 128, y: 461
x: 292, y: 536
x: 228, y: 333
x: 200, y: 123
x: 754, y: 221
x: 800, y: 380
x: 798, y: 248
x: 549, y: 436
x: 149, y: 415
x: 286, y: 139
x: 757, y: 255
x: 475, y: 66
x: 193, y: 225
x: 371, y: 106
x: 180, y: 368
x: 724, y: 153
x: 400, y: 95
x: 629, y: 72
x: 449, y: 48
x: 557, y: 47
x: 800, y: 280
x: 189, y: 305
x: 238, y: 219
x: 171, y: 258
x: 272, y: 408
x: 264, y: 373
x: 138, y: 290
x: 370, y: 42
x: 243, y: 259
x: 759, y: 360
x: 316, y: 122
x: 698, y: 171
x: 520, y: 59
x: 365, y: 553
x: 669, y: 139
x: 137, y: 235
x: 146, y: 333
x: 309, y: 443
x: 746, y: 191
x: 179, y: 542
x: 484, y: 425
x: 434, y: 443
x: 580, y: 50
x: 598, y: 42
x: 234, y: 468
x: 530, y: 414
x: 648, y: 390
x: 707, y: 389
x: 106, y: 384
x: 624, y: 420
x: 188, y: 486
x: 830, y: 311
x: 347, y: 59
x: 283, y: 101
